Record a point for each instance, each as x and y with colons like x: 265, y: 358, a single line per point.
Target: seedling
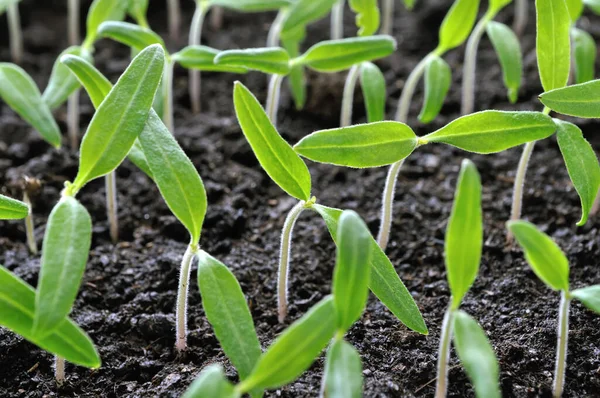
x: 14, y: 28
x: 287, y: 170
x: 326, y: 56
x: 551, y: 265
x: 174, y: 14
x: 74, y: 36
x: 337, y: 20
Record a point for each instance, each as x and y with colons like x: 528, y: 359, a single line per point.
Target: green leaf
x: 211, y: 383
x: 343, y: 371
x: 543, y: 255
x: 5, y: 3
x: 497, y: 5
x: 589, y: 296
x: 580, y: 100
x: 12, y: 209
x: 121, y: 117
x: 508, y: 48
x: 372, y: 82
x: 363, y: 145
x: 584, y: 51
x: 350, y: 285
x: 575, y: 9
x: 175, y: 175
x: 493, y: 131
x: 305, y: 12
x: 384, y: 282
x: 275, y: 155
x: 203, y: 58
x: 102, y: 11
x: 62, y: 82
x: 65, y: 253
x: 464, y: 234
x: 228, y: 313
x: 553, y: 43
x: 17, y: 306
x: 295, y: 349
x: 457, y: 25
x: 19, y: 92
x: 367, y: 16
x: 251, y: 5
x: 131, y: 35
x: 438, y: 78
x: 137, y: 156
x: 338, y: 55
x: 271, y: 60
x: 593, y: 5
x: 476, y: 355
x: 138, y: 10
x: 582, y: 165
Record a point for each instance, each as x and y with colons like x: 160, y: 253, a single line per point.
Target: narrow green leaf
x: 271, y: 60
x: 131, y: 35
x: 553, y: 43
x: 121, y: 117
x: 175, y: 175
x: 338, y: 55
x: 477, y: 356
x: 275, y: 155
x: 580, y: 100
x: 497, y: 5
x: 65, y: 253
x: 438, y: 78
x: 582, y: 165
x: 12, y: 209
x: 343, y: 371
x: 350, y: 285
x: 62, y: 82
x: 363, y: 145
x: 372, y: 82
x: 228, y: 313
x: 251, y: 5
x: 384, y: 282
x: 367, y: 16
x: 575, y: 9
x: 464, y: 234
x: 508, y: 48
x: 17, y: 306
x: 203, y: 58
x: 584, y: 51
x: 5, y: 3
x: 19, y: 92
x: 543, y: 255
x: 102, y: 11
x: 138, y: 10
x: 493, y: 131
x: 211, y: 383
x: 457, y: 24
x: 295, y: 349
x: 589, y: 296
x: 137, y: 156
x: 305, y: 12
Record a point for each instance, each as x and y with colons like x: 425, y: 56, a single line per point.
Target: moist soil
x: 127, y: 300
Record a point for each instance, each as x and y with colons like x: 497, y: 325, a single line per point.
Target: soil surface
x: 127, y: 299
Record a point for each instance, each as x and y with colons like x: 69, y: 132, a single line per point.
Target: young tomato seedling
x: 551, y: 265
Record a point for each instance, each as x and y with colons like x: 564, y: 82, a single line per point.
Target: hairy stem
x: 182, y: 297
x: 194, y: 40
x: 348, y: 98
x: 74, y: 36
x: 275, y: 31
x: 16, y: 36
x: 59, y: 370
x: 521, y: 16
x: 562, y: 344
x: 517, y: 202
x: 73, y: 119
x: 337, y: 20
x: 111, y: 206
x: 174, y: 11
x: 444, y: 355
x: 216, y: 18
x: 409, y: 89
x: 284, y: 259
x: 273, y: 97
x: 167, y: 87
x: 29, y: 226
x: 470, y: 66
x: 388, y: 17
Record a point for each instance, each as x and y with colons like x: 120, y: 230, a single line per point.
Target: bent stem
x: 111, y: 206
x: 388, y: 17
x: 470, y: 67
x: 194, y: 40
x: 348, y: 99
x: 182, y: 297
x: 167, y: 87
x: 444, y: 354
x: 174, y: 11
x: 284, y: 258
x: 73, y: 119
x: 276, y: 27
x: 562, y: 344
x: 16, y: 36
x: 59, y: 370
x: 29, y: 226
x: 273, y: 97
x: 74, y: 37
x: 521, y: 16
x: 337, y: 20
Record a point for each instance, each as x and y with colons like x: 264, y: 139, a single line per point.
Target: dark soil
x: 127, y: 299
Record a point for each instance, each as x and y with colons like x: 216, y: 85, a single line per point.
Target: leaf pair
x: 12, y: 209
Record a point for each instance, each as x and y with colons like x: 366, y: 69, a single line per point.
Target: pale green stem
x: 348, y: 98
x: 521, y: 16
x: 73, y: 119
x: 562, y: 344
x: 59, y: 370
x: 337, y: 20
x: 444, y: 355
x: 275, y: 31
x: 112, y: 206
x: 409, y: 89
x: 29, y: 226
x: 195, y: 40
x: 74, y: 36
x: 16, y: 36
x: 174, y: 12
x: 216, y: 18
x: 167, y: 86
x: 388, y: 17
x: 182, y: 297
x: 273, y: 97
x: 284, y: 259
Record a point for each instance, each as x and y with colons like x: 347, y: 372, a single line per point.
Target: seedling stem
x: 337, y: 20
x: 273, y: 97
x: 182, y: 296
x: 74, y: 37
x: 73, y: 119
x: 195, y: 40
x: 521, y: 16
x: 444, y: 354
x: 562, y: 343
x: 111, y: 205
x: 348, y: 98
x: 29, y: 226
x: 16, y: 36
x: 388, y: 17
x: 174, y: 10
x: 216, y: 18
x: 59, y: 370
x: 275, y: 31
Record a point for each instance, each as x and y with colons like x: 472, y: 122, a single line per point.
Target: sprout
x: 74, y: 36
x: 551, y: 265
x: 14, y: 28
x: 337, y: 20
x: 174, y: 13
